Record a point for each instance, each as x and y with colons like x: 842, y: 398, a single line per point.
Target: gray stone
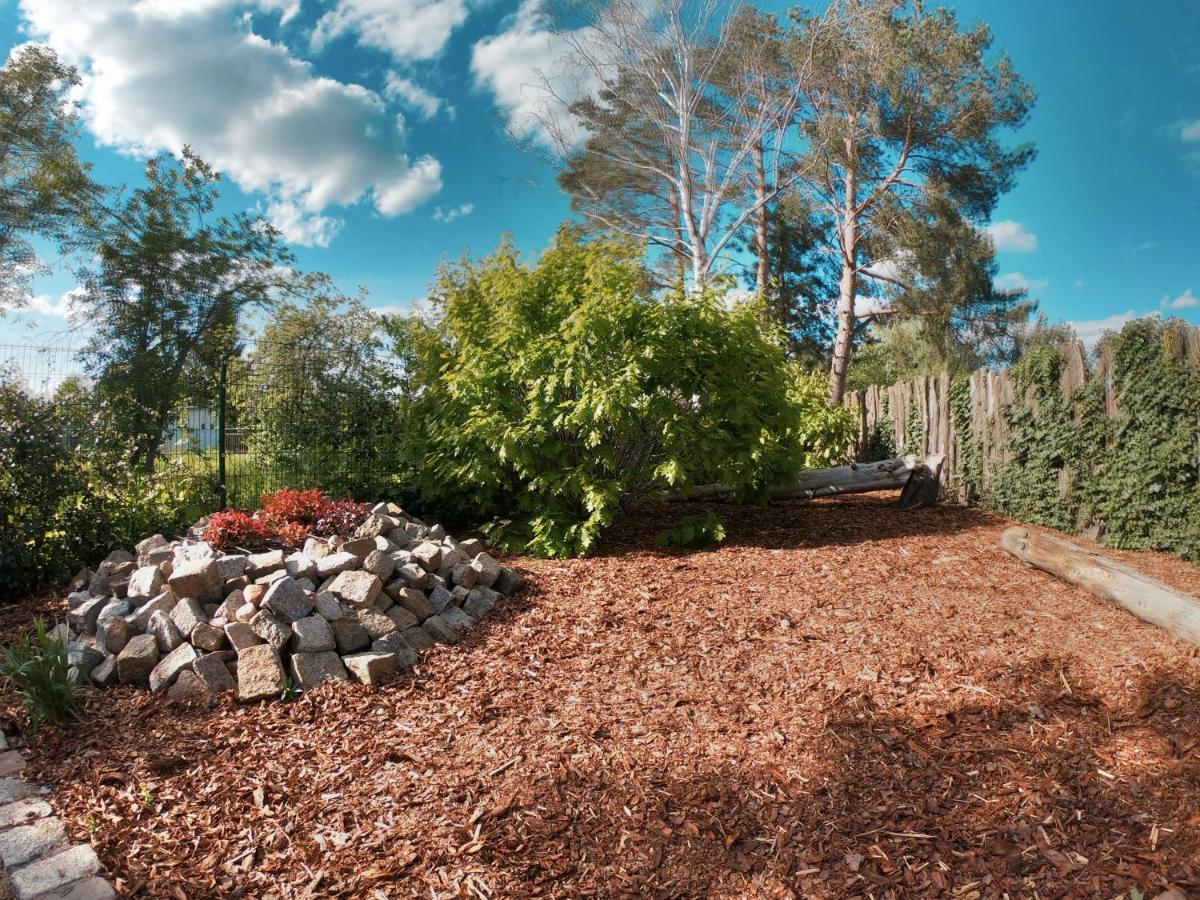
x: 212, y: 670
x: 100, y: 585
x: 413, y: 575
x: 77, y: 598
x: 300, y: 566
x: 406, y: 656
x: 428, y: 555
x: 232, y: 566
x: 464, y: 575
x: 336, y: 563
x: 509, y: 581
x: 164, y: 602
x: 16, y: 789
x: 241, y: 635
x: 11, y: 762
x: 105, y: 674
x: 479, y: 602
x: 450, y: 559
x: 329, y: 607
x: 357, y: 588
x: 83, y: 658
x: 471, y: 547
x: 260, y: 675
x: 146, y: 582
x: 154, y: 542
x: 315, y: 548
x: 137, y: 660
x: 415, y: 530
x: 273, y: 631
x: 349, y: 635
x: 206, y: 636
x: 169, y: 667
x: 260, y: 564
x: 402, y: 617
x: 376, y: 624
x: 487, y: 569
x: 361, y: 548
x: 23, y: 812
x: 436, y: 533
x: 187, y: 614
x: 95, y: 888
x: 312, y: 635
x: 457, y: 619
x: 118, y: 557
x: 310, y: 669
x: 379, y: 564
x: 383, y: 602
x: 27, y: 842
x: 166, y: 633
x: 439, y: 599
x: 416, y: 603
x: 458, y: 596
x: 113, y: 630
x: 83, y: 618
x: 199, y: 579
x: 53, y: 873
x: 287, y: 600
x: 440, y: 630
x: 370, y: 668
x: 230, y: 605
x: 271, y: 577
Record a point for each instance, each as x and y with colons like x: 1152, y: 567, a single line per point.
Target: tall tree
x: 170, y: 281
x: 901, y: 105
x: 45, y: 191
x: 690, y: 111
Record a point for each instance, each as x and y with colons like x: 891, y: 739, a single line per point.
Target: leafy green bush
x: 824, y: 434
x: 65, y: 500
x: 694, y: 531
x: 36, y: 666
x: 552, y: 395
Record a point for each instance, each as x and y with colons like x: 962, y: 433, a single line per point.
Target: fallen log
x: 1149, y: 600
x: 856, y: 478
x: 924, y: 485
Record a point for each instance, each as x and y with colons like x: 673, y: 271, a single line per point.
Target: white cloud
x: 1015, y: 281
x: 159, y: 75
x: 406, y: 29
x: 413, y: 96
x: 1190, y: 132
x: 528, y: 70
x: 1091, y: 330
x: 299, y: 227
x: 449, y: 215
x: 63, y: 307
x: 1186, y: 300
x: 1013, y: 236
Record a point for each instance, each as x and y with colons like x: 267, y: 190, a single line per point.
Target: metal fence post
x: 221, y: 430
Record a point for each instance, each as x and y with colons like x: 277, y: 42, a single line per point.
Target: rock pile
x: 180, y: 617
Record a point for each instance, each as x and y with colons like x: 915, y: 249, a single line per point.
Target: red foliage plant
x: 289, y: 507
x: 232, y: 528
x: 341, y: 517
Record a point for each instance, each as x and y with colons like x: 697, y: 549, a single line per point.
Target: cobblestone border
x: 41, y: 862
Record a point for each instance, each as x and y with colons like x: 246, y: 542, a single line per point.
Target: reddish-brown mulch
x: 844, y: 699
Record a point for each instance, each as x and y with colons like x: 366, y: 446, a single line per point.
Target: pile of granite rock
x: 181, y: 618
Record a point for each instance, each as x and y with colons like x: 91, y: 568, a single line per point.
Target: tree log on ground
x: 857, y: 478
x: 1149, y: 600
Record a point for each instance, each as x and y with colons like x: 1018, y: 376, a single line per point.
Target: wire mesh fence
x: 301, y: 413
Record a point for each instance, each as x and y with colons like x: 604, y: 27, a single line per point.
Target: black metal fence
x: 301, y: 413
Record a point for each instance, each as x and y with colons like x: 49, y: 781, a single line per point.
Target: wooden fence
x: 927, y: 399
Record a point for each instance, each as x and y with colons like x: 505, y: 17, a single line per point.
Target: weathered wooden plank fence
x: 918, y: 415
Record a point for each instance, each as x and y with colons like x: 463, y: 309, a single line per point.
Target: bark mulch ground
x: 843, y: 700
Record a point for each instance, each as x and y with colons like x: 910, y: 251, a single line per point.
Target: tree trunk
x: 1149, y: 600
x: 843, y: 344
x: 760, y: 196
x: 857, y: 478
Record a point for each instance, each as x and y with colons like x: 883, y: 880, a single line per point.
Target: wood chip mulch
x: 843, y: 700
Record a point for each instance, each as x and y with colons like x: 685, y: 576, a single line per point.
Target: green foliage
x: 824, y: 435
x: 65, y: 500
x: 36, y: 666
x: 693, y: 531
x: 559, y: 392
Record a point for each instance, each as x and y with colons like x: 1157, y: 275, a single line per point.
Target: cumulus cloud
x: 1186, y: 300
x: 62, y: 307
x: 1012, y: 236
x: 1190, y: 132
x: 412, y: 96
x: 158, y: 75
x: 446, y: 216
x: 527, y: 68
x: 406, y: 29
x: 1015, y: 281
x: 1089, y: 331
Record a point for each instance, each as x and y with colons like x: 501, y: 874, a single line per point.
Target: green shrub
x: 552, y: 395
x: 693, y: 531
x: 36, y: 666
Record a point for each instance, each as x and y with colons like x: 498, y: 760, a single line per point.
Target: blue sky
x: 375, y: 133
